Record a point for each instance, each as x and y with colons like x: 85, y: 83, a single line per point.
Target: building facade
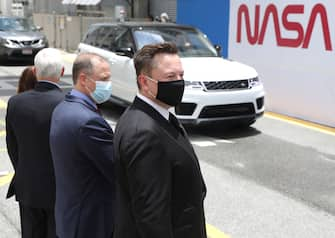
x: 16, y: 7
x: 110, y: 8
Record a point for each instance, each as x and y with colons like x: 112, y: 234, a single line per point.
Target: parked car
x: 20, y: 39
x: 216, y: 89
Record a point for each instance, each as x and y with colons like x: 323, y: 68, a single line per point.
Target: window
x: 91, y: 36
x: 103, y: 33
x: 16, y: 24
x: 147, y: 37
x: 109, y: 40
x: 190, y: 43
x: 125, y: 40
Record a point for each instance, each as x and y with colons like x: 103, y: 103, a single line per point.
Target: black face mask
x: 170, y: 92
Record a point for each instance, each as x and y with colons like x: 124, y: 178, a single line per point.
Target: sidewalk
x: 9, y: 210
x: 68, y: 57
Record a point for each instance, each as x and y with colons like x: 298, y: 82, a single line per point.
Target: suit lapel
x: 180, y: 139
x: 156, y: 116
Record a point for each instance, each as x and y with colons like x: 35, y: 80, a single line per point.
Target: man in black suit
x: 27, y: 136
x: 160, y: 188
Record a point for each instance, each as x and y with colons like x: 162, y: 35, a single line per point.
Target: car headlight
x: 253, y: 82
x: 193, y: 85
x: 44, y: 41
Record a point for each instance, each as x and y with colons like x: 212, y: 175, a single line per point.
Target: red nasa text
x: 303, y: 33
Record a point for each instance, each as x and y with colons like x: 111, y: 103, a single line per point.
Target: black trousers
x: 37, y: 222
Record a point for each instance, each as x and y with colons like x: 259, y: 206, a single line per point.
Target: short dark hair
x: 143, y: 59
x: 84, y: 63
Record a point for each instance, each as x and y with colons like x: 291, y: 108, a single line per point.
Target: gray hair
x: 48, y: 63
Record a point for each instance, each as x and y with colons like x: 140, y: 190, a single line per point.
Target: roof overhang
x: 81, y: 2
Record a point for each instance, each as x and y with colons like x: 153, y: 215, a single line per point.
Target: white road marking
x: 203, y: 143
x: 239, y: 165
x: 225, y: 141
x: 3, y: 104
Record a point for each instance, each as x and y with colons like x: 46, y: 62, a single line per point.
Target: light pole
x: 131, y: 4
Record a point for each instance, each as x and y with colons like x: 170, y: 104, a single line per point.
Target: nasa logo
x: 303, y: 36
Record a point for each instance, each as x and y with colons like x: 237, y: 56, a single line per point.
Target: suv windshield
x: 190, y: 42
x: 16, y: 24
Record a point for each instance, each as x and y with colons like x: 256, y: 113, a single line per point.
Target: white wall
x: 5, y: 7
x: 299, y: 78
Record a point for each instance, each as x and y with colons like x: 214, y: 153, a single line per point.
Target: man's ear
x: 81, y: 81
x: 80, y: 84
x: 33, y: 68
x: 142, y: 81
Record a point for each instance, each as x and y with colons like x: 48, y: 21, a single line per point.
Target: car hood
x: 21, y: 35
x: 215, y: 69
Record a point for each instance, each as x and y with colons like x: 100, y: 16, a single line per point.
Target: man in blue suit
x: 81, y: 144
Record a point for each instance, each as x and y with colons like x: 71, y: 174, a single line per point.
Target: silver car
x: 20, y: 39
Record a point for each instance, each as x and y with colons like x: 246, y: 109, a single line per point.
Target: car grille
x: 25, y: 43
x: 226, y: 85
x: 241, y: 109
x: 185, y: 109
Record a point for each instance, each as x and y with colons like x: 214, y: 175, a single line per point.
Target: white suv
x: 216, y: 89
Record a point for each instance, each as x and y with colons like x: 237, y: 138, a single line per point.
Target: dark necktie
x: 174, y: 121
x: 98, y: 111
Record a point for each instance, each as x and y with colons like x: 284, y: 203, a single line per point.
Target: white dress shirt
x: 163, y: 111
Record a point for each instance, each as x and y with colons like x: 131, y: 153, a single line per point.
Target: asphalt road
x: 274, y: 179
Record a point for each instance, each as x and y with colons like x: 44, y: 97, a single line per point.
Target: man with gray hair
x: 27, y: 137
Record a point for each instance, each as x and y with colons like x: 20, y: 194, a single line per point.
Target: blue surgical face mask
x: 102, y: 92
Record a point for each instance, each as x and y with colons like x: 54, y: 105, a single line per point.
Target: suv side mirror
x: 218, y: 49
x: 128, y: 51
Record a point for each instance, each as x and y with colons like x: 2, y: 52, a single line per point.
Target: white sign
x: 292, y: 46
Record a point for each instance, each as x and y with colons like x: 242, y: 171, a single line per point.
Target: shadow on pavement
x: 222, y: 131
x: 17, y: 63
